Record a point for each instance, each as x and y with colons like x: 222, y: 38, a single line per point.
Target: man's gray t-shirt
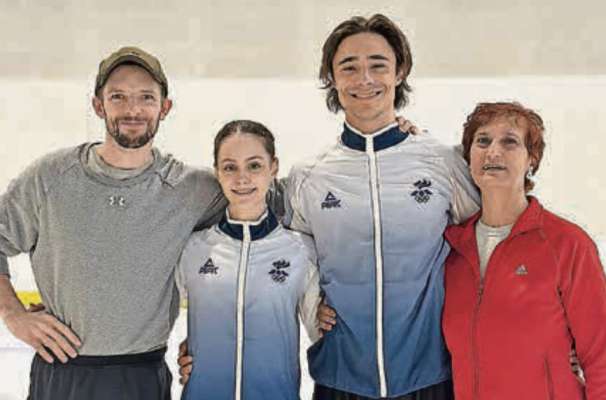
x: 104, y: 250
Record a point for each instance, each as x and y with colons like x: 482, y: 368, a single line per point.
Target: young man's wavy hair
x: 380, y: 25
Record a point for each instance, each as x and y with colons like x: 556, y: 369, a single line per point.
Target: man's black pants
x: 142, y: 376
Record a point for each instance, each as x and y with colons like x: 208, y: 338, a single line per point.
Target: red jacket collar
x: 463, y: 237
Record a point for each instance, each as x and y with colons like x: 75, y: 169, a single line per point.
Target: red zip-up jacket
x: 510, y: 336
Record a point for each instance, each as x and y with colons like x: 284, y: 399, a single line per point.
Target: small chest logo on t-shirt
x: 422, y: 194
x: 522, y: 270
x: 278, y: 273
x: 209, y: 267
x: 116, y: 201
x: 330, y: 201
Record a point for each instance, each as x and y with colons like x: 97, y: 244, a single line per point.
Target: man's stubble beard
x: 127, y: 141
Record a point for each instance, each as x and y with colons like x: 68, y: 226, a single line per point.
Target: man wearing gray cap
x: 104, y: 224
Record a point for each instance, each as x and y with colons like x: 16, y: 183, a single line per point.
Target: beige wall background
x: 269, y: 38
x: 259, y: 59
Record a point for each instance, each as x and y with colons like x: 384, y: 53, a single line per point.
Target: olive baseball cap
x: 132, y: 55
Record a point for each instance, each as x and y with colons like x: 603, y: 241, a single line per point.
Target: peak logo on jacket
x: 278, y: 273
x: 330, y: 201
x: 422, y: 194
x: 208, y: 267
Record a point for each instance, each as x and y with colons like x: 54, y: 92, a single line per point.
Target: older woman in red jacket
x: 523, y: 286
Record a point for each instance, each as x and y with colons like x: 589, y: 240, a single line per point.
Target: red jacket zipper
x: 474, y: 347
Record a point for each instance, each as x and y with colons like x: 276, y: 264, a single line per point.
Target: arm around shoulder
x: 466, y: 197
x: 294, y: 214
x: 210, y: 197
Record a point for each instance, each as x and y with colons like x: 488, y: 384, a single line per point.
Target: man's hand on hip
x: 44, y: 333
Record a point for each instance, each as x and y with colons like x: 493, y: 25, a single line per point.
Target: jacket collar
x: 258, y: 229
x: 463, y: 237
x: 382, y: 139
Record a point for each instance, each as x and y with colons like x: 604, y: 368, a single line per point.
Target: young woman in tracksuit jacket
x: 377, y: 204
x: 247, y: 278
x: 523, y: 286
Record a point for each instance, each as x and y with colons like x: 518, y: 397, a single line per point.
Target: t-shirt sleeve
x: 19, y: 215
x: 180, y: 277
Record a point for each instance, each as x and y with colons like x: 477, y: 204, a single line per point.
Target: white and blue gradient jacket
x: 245, y: 284
x: 377, y: 206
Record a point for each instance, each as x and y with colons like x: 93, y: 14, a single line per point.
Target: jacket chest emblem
x: 521, y: 270
x: 422, y: 193
x: 331, y: 201
x: 278, y: 273
x: 208, y: 268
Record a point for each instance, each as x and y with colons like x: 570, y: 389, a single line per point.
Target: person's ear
x: 97, y: 104
x: 399, y: 77
x: 275, y: 166
x: 167, y: 105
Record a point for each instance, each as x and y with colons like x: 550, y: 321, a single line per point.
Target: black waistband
x: 120, y: 359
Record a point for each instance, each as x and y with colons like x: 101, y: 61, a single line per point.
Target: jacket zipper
x: 549, y: 380
x: 474, y: 334
x: 474, y: 345
x: 240, y: 310
x: 378, y: 240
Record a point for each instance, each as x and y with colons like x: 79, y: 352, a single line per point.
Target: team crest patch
x: 278, y: 273
x: 208, y: 267
x: 331, y: 201
x: 422, y: 193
